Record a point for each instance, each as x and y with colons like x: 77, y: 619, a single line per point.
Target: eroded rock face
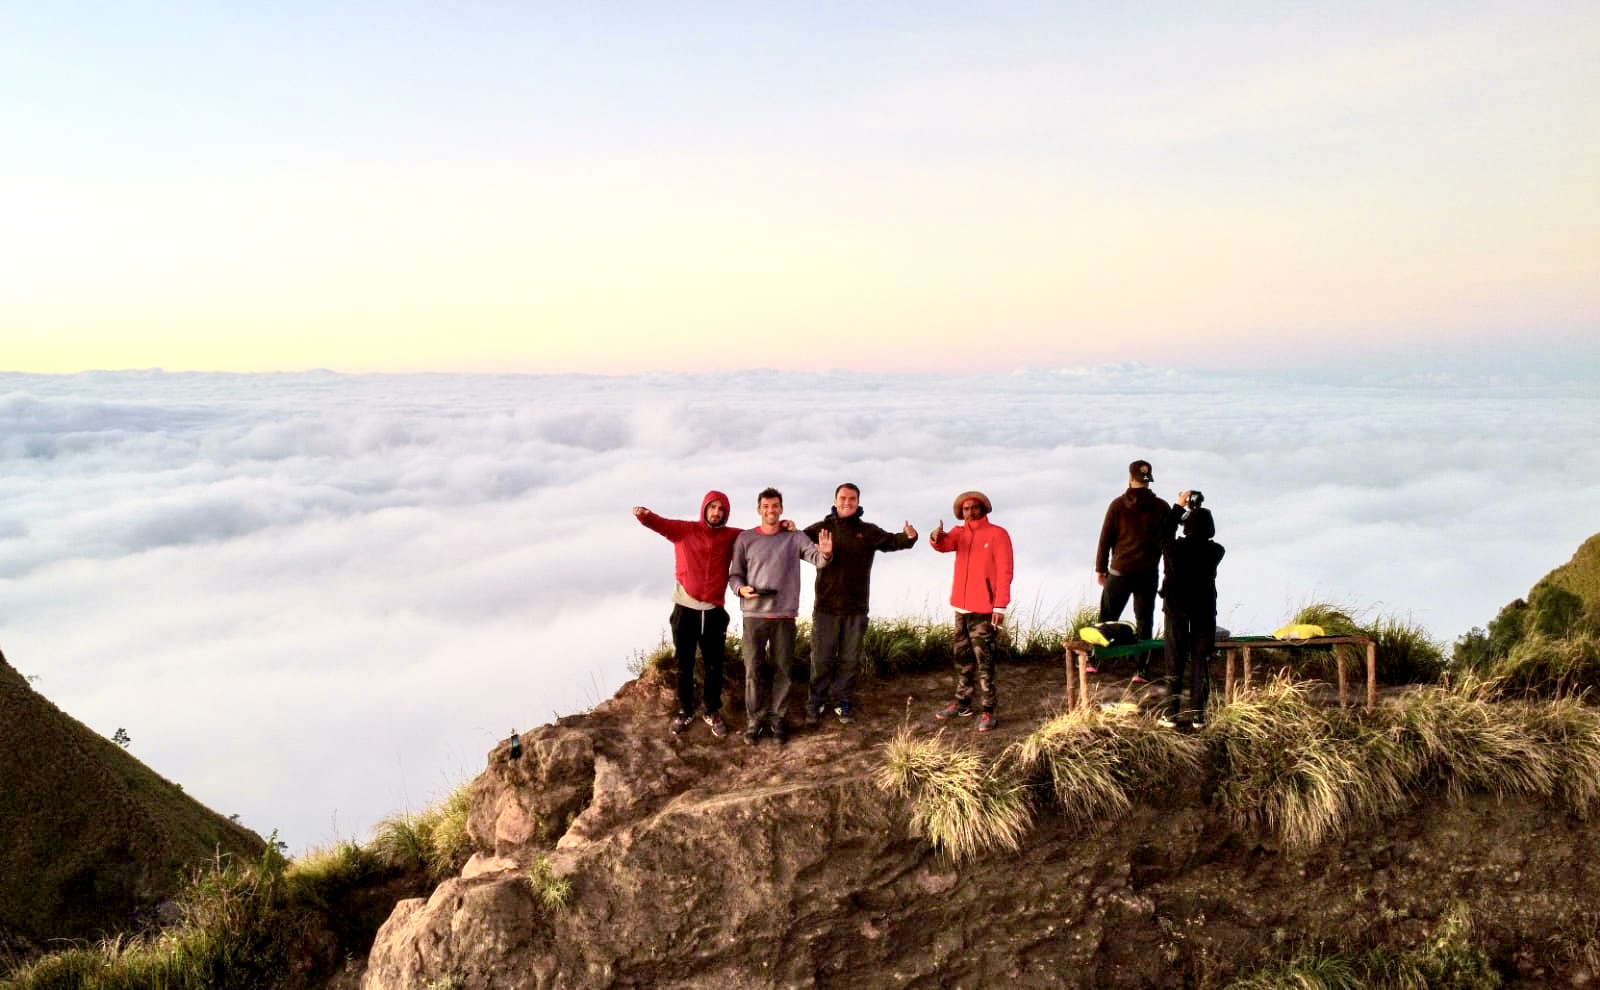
x: 707, y: 863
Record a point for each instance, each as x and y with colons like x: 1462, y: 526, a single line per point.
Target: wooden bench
x: 1240, y: 645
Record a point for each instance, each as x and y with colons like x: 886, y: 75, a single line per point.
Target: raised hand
x: 910, y: 530
x: 938, y: 532
x: 640, y: 510
x: 825, y: 542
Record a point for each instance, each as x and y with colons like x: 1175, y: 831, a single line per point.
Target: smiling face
x: 770, y: 510
x: 847, y: 501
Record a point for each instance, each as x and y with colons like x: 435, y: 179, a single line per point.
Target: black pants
x: 1191, y: 639
x: 706, y: 631
x: 974, y: 649
x: 1114, y: 597
x: 835, y: 658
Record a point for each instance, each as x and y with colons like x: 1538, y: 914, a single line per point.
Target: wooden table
x: 1241, y: 645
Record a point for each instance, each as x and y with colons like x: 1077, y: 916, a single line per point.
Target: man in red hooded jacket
x: 980, y: 594
x: 703, y: 549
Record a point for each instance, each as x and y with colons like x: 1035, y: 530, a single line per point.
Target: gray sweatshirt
x: 771, y: 562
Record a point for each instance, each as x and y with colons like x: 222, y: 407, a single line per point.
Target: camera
x: 1196, y: 499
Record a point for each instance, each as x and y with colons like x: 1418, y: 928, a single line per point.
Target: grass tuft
x: 1096, y: 759
x: 959, y: 804
x: 1462, y: 740
x: 434, y: 840
x: 553, y: 892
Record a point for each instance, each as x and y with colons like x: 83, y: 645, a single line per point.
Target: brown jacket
x: 1130, y: 538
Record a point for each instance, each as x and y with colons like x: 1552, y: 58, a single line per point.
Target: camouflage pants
x: 974, y: 649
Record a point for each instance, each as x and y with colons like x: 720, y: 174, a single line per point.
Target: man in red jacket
x: 980, y: 594
x: 703, y: 549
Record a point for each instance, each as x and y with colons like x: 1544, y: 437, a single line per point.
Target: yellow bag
x: 1299, y: 631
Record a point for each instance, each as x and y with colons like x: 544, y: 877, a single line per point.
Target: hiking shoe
x: 987, y: 721
x: 954, y: 709
x: 752, y: 733
x: 1166, y: 723
x: 843, y: 714
x: 681, y: 723
x: 719, y: 728
x: 780, y: 731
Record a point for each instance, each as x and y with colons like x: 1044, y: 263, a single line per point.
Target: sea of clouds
x: 315, y: 600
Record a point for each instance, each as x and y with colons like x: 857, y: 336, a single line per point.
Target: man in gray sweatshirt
x: 765, y: 574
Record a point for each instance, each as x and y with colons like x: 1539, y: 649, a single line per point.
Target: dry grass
x: 1095, y: 760
x: 958, y: 803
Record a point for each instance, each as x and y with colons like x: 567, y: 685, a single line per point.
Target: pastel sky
x: 625, y: 187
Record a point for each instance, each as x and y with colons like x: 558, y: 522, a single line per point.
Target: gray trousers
x: 768, y: 654
x: 835, y: 658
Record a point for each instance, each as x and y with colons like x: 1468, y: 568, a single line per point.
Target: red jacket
x: 983, y: 565
x: 702, y: 550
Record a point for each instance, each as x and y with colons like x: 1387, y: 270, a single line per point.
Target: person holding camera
x: 1189, y: 605
x: 1128, y: 560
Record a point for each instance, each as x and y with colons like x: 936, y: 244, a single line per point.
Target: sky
x: 315, y: 600
x: 625, y: 188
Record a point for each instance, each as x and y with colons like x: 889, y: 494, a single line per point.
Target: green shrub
x: 1544, y: 666
x: 435, y: 840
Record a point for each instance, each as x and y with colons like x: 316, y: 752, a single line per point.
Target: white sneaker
x: 1166, y: 723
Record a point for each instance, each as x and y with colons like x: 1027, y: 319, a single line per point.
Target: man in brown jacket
x: 1128, y: 559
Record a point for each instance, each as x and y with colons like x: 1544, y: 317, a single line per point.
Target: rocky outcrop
x: 696, y: 862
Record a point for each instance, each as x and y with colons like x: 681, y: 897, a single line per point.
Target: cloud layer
x: 315, y: 600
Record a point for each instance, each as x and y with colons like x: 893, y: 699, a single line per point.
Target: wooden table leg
x: 1083, y: 679
x: 1227, y: 673
x: 1372, y: 675
x: 1070, y: 652
x: 1338, y: 663
x: 1247, y: 668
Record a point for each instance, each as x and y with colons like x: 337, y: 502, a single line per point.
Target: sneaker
x: 1166, y: 723
x: 843, y: 714
x: 1198, y: 724
x: 814, y: 714
x: 780, y: 731
x: 1090, y: 668
x: 954, y: 709
x: 681, y: 723
x: 987, y: 721
x: 752, y: 733
x: 719, y: 728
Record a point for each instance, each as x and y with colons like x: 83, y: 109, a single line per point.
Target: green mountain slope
x: 89, y: 837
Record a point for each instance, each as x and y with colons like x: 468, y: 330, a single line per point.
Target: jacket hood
x: 1133, y: 496
x: 716, y: 496
x: 833, y: 513
x: 1199, y: 525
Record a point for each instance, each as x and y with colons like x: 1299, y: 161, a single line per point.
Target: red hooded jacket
x: 702, y: 550
x: 983, y: 565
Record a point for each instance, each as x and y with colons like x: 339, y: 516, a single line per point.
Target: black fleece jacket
x: 844, y: 586
x: 1189, y: 586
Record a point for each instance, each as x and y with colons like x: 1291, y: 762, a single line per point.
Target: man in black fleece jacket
x: 1128, y: 559
x: 1189, y: 603
x: 839, y: 617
